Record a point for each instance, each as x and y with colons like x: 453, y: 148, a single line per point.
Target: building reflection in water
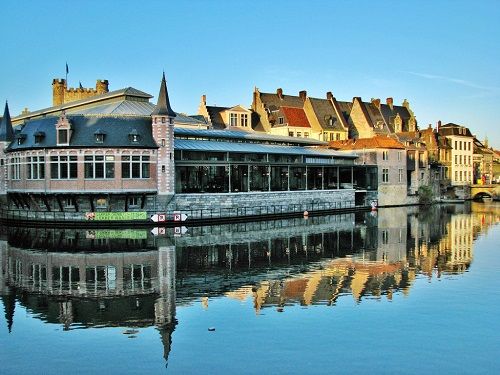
x: 131, y: 279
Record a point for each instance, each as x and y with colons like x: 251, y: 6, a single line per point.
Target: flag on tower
x: 67, y: 69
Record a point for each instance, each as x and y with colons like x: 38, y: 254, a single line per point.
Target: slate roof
x: 378, y: 141
x: 273, y: 102
x: 345, y: 108
x: 6, y: 131
x: 295, y: 117
x: 325, y: 112
x: 454, y: 129
x: 84, y: 128
x: 375, y: 117
x: 389, y: 115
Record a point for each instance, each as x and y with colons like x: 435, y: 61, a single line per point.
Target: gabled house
x: 233, y: 118
x: 374, y: 118
x: 281, y: 114
x: 327, y: 117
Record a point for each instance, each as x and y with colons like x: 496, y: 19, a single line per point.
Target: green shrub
x: 425, y: 195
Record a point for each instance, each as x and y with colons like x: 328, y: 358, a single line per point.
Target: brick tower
x: 163, y: 132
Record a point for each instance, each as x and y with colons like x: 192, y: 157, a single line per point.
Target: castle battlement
x: 62, y: 94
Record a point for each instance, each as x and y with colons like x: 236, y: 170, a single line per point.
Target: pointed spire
x: 9, y: 303
x: 163, y: 106
x: 6, y: 131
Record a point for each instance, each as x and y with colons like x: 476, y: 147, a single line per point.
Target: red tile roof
x: 378, y: 141
x: 295, y: 117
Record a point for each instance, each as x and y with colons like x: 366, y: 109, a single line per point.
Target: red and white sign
x: 158, y: 231
x: 179, y: 216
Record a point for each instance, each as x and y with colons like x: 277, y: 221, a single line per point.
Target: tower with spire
x: 6, y: 137
x: 163, y: 133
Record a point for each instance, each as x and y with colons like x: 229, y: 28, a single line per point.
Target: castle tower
x: 101, y: 86
x: 6, y: 137
x: 58, y: 90
x: 163, y: 133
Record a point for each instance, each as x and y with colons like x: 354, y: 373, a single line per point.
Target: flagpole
x: 67, y: 74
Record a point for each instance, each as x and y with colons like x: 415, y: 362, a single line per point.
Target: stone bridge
x: 479, y: 191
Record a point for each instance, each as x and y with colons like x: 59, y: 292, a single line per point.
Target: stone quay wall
x: 207, y: 206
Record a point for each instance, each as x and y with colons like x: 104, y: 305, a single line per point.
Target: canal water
x: 398, y: 291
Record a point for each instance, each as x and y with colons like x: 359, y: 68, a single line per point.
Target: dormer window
x: 39, y: 136
x: 63, y: 135
x: 163, y: 120
x: 99, y: 136
x: 233, y: 119
x: 281, y: 120
x: 134, y: 136
x: 21, y: 138
x: 63, y: 128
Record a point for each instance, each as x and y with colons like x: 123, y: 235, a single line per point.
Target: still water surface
x: 403, y: 291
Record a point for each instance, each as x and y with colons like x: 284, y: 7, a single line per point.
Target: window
x: 133, y: 201
x: 69, y: 202
x: 15, y: 168
x: 135, y: 166
x: 337, y: 136
x: 290, y: 134
x: 456, y: 145
x: 468, y: 146
x: 99, y: 136
x: 244, y: 120
x: 399, y: 157
x: 385, y: 237
x: 163, y: 143
x: 469, y: 159
x: 299, y: 134
x: 460, y: 145
x: 134, y: 136
x: 281, y: 120
x: 456, y: 175
x: 306, y: 135
x: 35, y: 167
x: 63, y: 167
x: 385, y: 175
x: 39, y: 137
x: 385, y: 155
x: 400, y: 175
x: 233, y: 119
x: 98, y: 166
x: 62, y: 136
x: 456, y: 159
x: 461, y: 177
x: 460, y: 159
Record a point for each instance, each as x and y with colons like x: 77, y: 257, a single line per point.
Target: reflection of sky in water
x: 362, y: 308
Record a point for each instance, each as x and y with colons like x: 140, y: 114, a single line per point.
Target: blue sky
x: 442, y: 56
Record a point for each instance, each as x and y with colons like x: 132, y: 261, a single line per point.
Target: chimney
x: 204, y: 99
x: 279, y: 92
x: 329, y: 95
x: 303, y: 95
x: 376, y: 103
x: 438, y: 126
x: 390, y: 102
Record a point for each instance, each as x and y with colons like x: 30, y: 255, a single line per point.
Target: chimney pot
x: 303, y: 95
x: 279, y: 92
x: 390, y: 102
x: 376, y: 103
x: 329, y: 95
